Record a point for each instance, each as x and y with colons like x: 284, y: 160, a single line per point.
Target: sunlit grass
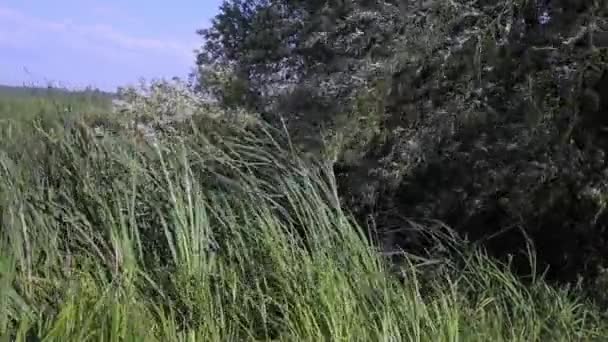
x: 26, y: 103
x: 229, y: 237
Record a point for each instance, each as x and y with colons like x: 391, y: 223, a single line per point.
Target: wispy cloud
x: 122, y: 40
x: 18, y: 29
x: 105, y: 12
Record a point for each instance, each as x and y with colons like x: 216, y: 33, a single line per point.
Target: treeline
x: 35, y: 91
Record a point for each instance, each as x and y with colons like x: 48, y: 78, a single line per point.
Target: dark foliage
x: 488, y: 115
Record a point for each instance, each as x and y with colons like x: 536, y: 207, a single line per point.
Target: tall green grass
x: 27, y: 103
x: 230, y: 237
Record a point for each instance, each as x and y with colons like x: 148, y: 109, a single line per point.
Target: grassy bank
x: 226, y: 237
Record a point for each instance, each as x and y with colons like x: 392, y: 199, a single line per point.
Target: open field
x: 24, y: 103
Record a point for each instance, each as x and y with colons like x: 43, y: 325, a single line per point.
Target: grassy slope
x: 229, y: 237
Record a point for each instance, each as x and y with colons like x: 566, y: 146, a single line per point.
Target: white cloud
x: 122, y: 40
x: 13, y: 17
x: 105, y: 11
x: 20, y: 30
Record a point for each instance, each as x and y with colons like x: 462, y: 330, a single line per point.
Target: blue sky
x: 102, y: 43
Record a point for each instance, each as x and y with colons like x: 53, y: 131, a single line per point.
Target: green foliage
x: 227, y: 235
x: 489, y: 116
x: 485, y: 117
x: 487, y: 132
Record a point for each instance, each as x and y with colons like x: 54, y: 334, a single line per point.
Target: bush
x: 488, y: 116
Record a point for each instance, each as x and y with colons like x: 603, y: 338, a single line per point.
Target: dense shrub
x: 486, y: 115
